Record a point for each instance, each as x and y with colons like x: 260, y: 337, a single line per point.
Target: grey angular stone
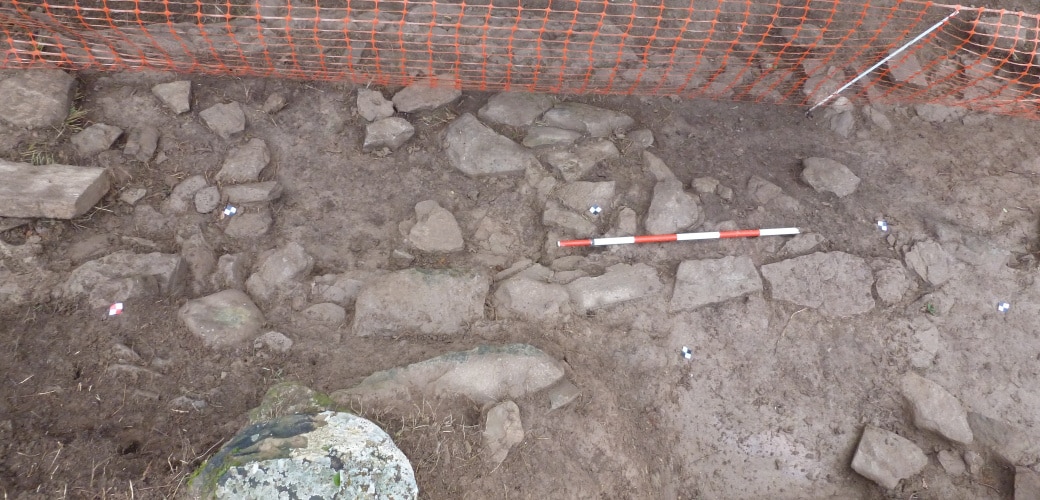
x: 250, y: 224
x: 931, y: 262
x: 802, y: 243
x: 207, y: 199
x: 672, y: 209
x: 245, y: 163
x: 132, y: 195
x: 640, y: 139
x: 36, y: 98
x: 142, y: 142
x: 762, y: 191
x: 257, y: 192
x: 387, y: 133
x: 223, y: 319
x: 95, y: 138
x: 576, y: 161
x: 596, y: 122
x: 477, y: 150
x: 275, y: 341
x: 905, y: 68
x: 935, y: 409
x: 656, y: 167
x: 621, y: 283
x: 627, y: 222
x: 372, y: 105
x: 420, y: 301
x: 892, y: 282
x: 515, y: 109
x: 974, y: 461
x: 842, y: 123
x: 531, y: 300
x: 726, y: 193
x: 224, y: 120
x: 175, y: 95
x: 502, y: 431
x: 284, y: 265
x: 485, y: 374
x: 705, y: 185
x: 53, y: 191
x: 878, y: 118
x: 828, y: 176
x: 885, y: 457
x: 562, y: 394
x: 325, y: 313
x: 435, y: 230
x: 1012, y: 444
x: 937, y: 113
x: 328, y: 455
x: 167, y: 270
x: 952, y: 463
x: 835, y: 283
x: 182, y: 197
x: 572, y: 223
x: 425, y: 94
x: 710, y: 281
x: 550, y: 136
x: 925, y: 343
x: 341, y: 289
x: 1027, y: 484
x: 274, y: 103
x: 583, y: 195
x: 232, y: 271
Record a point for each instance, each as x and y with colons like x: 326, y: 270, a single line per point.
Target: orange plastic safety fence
x: 782, y: 51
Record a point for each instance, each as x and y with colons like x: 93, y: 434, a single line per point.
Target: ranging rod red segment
x: 574, y: 243
x: 656, y: 238
x: 740, y: 233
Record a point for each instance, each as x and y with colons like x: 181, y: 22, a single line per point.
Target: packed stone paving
x: 883, y: 342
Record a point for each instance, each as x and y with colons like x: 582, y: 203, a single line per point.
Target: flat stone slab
x: 36, y: 98
x: 531, y: 300
x: 836, y: 283
x: 122, y: 275
x: 50, y: 191
x: 420, y: 301
x: 175, y: 95
x: 477, y: 150
x: 935, y: 409
x: 225, y: 120
x: 886, y: 457
x: 709, y: 281
x: 224, y: 319
x: 672, y: 209
x: 95, y: 138
x: 327, y: 455
x: 576, y: 161
x: 245, y: 163
x: 621, y: 283
x: 436, y: 229
x: 503, y: 430
x: 931, y: 262
x: 596, y: 122
x: 485, y: 374
x: 827, y: 175
x: 426, y: 94
x: 515, y: 109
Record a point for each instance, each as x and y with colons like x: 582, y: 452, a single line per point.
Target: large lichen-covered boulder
x: 330, y: 455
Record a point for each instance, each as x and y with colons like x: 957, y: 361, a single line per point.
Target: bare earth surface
x: 782, y: 380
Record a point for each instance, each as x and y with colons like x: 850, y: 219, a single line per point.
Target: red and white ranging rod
x: 664, y: 238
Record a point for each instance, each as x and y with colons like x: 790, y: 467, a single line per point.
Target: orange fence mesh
x: 782, y: 51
